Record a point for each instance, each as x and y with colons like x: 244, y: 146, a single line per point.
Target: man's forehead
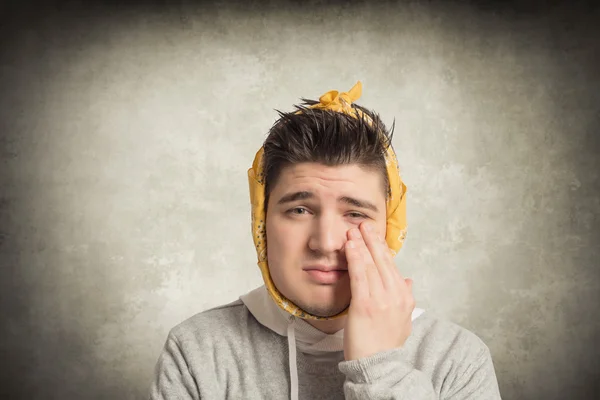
x: 350, y: 173
x: 317, y: 181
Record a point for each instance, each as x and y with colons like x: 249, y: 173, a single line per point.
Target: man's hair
x: 327, y: 137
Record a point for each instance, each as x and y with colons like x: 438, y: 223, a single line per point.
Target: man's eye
x: 298, y: 211
x: 356, y: 215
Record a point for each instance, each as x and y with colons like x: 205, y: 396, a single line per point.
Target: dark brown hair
x: 327, y: 137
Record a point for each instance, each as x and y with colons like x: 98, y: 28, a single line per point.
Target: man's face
x: 311, y: 209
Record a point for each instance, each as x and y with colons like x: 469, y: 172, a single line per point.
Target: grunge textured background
x: 126, y: 132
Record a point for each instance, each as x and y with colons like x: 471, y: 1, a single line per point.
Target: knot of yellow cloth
x: 340, y: 102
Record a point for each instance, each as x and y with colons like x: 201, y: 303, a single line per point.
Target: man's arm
x: 387, y: 376
x: 172, y: 377
x: 380, y: 321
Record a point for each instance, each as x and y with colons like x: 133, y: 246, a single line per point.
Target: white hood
x: 300, y: 333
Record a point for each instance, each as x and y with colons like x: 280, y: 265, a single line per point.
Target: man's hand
x: 380, y: 313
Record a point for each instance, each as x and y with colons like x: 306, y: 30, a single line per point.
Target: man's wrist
x: 374, y: 367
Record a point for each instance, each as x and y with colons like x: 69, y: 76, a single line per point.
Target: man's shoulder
x: 440, y: 335
x: 214, y: 322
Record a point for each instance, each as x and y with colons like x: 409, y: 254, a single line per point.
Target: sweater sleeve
x: 386, y: 375
x: 172, y: 377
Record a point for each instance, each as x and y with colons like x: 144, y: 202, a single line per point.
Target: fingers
x: 379, y: 251
x: 364, y: 266
x: 409, y: 284
x: 359, y: 283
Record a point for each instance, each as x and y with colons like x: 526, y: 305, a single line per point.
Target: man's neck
x: 329, y: 326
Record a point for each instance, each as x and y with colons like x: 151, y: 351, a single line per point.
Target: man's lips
x: 324, y: 268
x: 325, y: 275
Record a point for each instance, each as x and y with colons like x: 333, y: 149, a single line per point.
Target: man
x: 335, y: 319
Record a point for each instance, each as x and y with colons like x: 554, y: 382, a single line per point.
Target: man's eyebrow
x: 358, y: 203
x: 304, y: 195
x: 288, y: 198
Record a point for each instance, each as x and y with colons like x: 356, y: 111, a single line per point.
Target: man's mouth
x: 325, y: 275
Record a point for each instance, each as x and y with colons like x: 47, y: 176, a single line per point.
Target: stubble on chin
x: 322, y: 310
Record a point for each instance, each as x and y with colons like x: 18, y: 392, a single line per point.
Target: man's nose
x: 328, y: 234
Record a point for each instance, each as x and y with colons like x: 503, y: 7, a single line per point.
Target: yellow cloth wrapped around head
x: 395, y: 207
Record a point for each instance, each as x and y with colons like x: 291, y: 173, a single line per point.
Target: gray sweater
x: 225, y: 353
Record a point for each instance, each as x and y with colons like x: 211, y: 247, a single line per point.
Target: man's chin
x: 325, y: 312
x: 320, y: 300
x: 323, y: 308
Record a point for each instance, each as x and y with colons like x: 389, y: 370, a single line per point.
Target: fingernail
x: 368, y: 227
x: 350, y: 244
x: 355, y: 233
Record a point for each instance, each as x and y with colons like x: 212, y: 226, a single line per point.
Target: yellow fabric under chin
x: 395, y: 208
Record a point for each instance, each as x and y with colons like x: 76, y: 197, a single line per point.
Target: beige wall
x: 127, y: 133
